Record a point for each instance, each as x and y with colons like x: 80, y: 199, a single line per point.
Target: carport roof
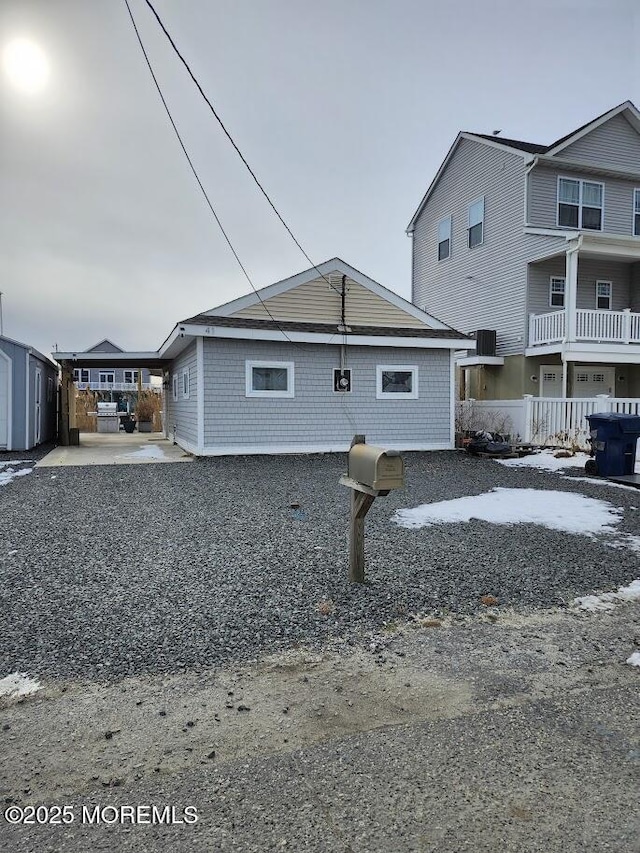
x: 150, y: 360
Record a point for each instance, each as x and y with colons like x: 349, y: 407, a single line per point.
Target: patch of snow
x: 12, y: 553
x: 608, y: 600
x: 634, y: 660
x: 602, y: 482
x: 9, y: 475
x: 546, y: 461
x: 18, y: 684
x: 149, y: 451
x: 14, y: 462
x: 566, y: 511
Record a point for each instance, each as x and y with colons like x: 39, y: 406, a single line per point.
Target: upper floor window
x: 444, y: 238
x: 556, y: 292
x: 580, y: 204
x: 131, y: 376
x: 80, y: 374
x: 603, y: 295
x: 107, y: 377
x: 636, y: 213
x: 476, y: 223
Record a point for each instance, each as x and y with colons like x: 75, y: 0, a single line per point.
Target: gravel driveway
x: 122, y: 570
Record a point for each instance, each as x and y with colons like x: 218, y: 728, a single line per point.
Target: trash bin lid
x: 616, y: 420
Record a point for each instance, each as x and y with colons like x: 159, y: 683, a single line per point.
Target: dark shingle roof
x: 322, y: 328
x: 530, y: 147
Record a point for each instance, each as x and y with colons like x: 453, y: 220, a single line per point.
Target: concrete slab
x: 116, y: 449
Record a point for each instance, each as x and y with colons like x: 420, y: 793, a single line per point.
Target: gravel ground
x: 121, y: 570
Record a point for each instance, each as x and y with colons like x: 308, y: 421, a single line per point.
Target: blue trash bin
x: 613, y: 441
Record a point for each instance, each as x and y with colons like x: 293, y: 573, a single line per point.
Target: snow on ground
x: 546, y: 461
x: 608, y: 600
x: 18, y: 684
x: 566, y: 511
x: 149, y: 451
x: 9, y: 475
x: 14, y: 462
x: 599, y: 481
x: 634, y: 660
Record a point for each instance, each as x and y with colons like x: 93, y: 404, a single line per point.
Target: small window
x: 598, y: 377
x: 603, y: 295
x: 131, y: 377
x: 175, y: 386
x: 549, y: 377
x: 107, y: 377
x: 636, y: 213
x: 476, y: 223
x: 444, y: 238
x: 80, y: 375
x: 580, y: 204
x: 582, y: 377
x: 556, y: 292
x: 185, y: 383
x: 269, y: 379
x: 397, y: 382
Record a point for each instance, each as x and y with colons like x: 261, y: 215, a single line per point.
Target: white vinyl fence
x: 545, y: 421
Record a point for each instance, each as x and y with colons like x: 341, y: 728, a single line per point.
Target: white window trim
x: 448, y: 219
x: 603, y: 281
x: 391, y: 395
x: 561, y: 278
x: 634, y: 212
x: 132, y: 371
x: 185, y: 384
x: 111, y: 373
x: 287, y: 365
x: 580, y: 182
x: 174, y: 382
x: 475, y: 201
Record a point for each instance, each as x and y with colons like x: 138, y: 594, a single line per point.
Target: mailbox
x: 375, y: 467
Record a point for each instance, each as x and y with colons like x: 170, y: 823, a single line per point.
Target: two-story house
x: 539, y: 244
x: 110, y: 378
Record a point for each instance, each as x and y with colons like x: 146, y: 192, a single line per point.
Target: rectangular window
x: 636, y: 213
x: 476, y: 223
x: 269, y: 379
x: 397, y: 382
x: 444, y: 238
x: 185, y: 383
x: 174, y: 383
x: 107, y: 377
x: 580, y: 204
x: 131, y: 377
x: 556, y: 292
x: 80, y: 375
x: 603, y: 295
x: 582, y: 377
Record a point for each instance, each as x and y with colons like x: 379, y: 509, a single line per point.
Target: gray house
x: 536, y: 248
x: 28, y: 396
x: 113, y: 378
x: 304, y: 364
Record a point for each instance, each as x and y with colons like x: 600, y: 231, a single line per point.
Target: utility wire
x: 232, y: 141
x: 195, y: 174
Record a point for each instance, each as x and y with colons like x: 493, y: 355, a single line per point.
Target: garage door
x: 590, y: 381
x: 4, y: 400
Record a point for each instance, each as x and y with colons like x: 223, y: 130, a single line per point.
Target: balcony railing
x: 620, y: 327
x: 116, y: 386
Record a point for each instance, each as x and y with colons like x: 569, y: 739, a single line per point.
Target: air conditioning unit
x: 485, y: 342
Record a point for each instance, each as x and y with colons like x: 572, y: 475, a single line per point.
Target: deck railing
x: 116, y: 386
x: 622, y: 327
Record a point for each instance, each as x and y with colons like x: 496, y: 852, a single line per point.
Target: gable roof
x: 105, y: 345
x: 519, y: 147
x: 335, y: 265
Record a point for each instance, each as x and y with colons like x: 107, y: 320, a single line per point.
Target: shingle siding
x: 316, y: 415
x: 182, y: 414
x: 614, y: 144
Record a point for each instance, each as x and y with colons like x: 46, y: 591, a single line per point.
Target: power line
x: 231, y: 140
x: 196, y: 176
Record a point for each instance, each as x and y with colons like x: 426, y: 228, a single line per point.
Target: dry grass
x: 149, y: 403
x: 86, y: 402
x: 149, y: 408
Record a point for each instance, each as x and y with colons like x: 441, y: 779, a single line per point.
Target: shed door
x: 38, y: 406
x: 4, y: 400
x: 551, y: 380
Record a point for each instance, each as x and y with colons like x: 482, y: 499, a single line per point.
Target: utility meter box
x: 375, y: 467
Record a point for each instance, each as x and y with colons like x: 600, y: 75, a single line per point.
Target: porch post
x: 564, y: 378
x: 571, y: 293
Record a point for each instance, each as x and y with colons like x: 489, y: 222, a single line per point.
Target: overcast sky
x: 344, y: 108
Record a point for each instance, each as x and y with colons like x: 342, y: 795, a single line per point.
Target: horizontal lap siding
x: 317, y: 415
x: 182, y: 414
x: 495, y: 297
x: 614, y: 144
x: 618, y: 199
x: 589, y: 271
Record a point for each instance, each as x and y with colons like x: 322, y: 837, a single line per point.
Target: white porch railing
x: 545, y: 421
x: 622, y: 327
x: 116, y: 386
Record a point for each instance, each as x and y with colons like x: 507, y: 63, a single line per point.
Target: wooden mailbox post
x: 373, y: 472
